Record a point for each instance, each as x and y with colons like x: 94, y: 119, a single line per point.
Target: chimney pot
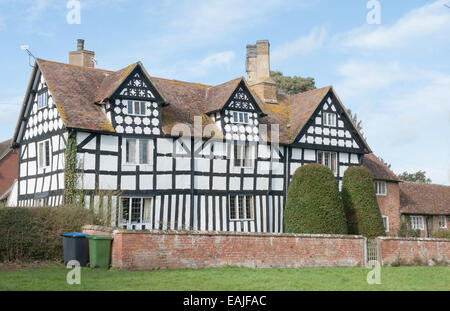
x: 80, y: 44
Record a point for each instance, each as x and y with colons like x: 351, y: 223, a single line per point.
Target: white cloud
x: 404, y: 110
x: 301, y: 46
x: 217, y: 60
x: 429, y: 22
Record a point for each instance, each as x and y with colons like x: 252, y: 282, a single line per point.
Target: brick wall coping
x: 217, y: 233
x: 385, y: 238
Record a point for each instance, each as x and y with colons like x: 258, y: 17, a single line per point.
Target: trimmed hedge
x: 360, y: 203
x: 313, y: 204
x: 34, y: 233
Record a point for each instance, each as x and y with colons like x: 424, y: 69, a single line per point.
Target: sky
x: 394, y: 75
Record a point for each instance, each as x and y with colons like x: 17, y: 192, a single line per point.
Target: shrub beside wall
x: 360, y: 203
x: 313, y: 204
x: 34, y: 233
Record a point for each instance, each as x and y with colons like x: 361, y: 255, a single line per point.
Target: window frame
x: 377, y: 187
x: 335, y: 171
x: 130, y: 210
x: 235, y: 198
x: 45, y: 94
x: 415, y: 224
x: 386, y: 224
x: 445, y: 222
x: 244, y: 114
x: 326, y: 119
x: 39, y: 156
x: 244, y: 160
x: 133, y: 113
x: 137, y: 154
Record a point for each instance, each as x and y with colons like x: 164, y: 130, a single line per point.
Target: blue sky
x: 395, y: 76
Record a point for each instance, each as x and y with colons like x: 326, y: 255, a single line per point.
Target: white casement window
x: 137, y: 151
x: 385, y: 222
x: 241, y: 207
x: 135, y: 210
x: 380, y: 188
x: 44, y: 154
x: 328, y: 159
x: 417, y: 222
x: 137, y: 108
x: 329, y: 119
x: 240, y: 117
x: 42, y: 100
x: 243, y: 155
x: 442, y: 222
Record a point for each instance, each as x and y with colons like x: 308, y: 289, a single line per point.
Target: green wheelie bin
x: 99, y: 251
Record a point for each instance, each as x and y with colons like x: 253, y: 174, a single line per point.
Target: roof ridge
x: 181, y: 81
x: 422, y: 184
x: 75, y: 66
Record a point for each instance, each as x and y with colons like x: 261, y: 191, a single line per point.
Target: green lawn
x: 393, y: 278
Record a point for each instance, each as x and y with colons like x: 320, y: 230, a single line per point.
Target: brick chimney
x: 81, y: 57
x: 258, y: 71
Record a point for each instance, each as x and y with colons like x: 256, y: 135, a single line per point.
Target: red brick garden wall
x: 413, y: 250
x: 160, y: 250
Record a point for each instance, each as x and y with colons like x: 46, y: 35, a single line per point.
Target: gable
x: 138, y: 86
x: 242, y: 100
x: 135, y: 108
x: 38, y: 123
x: 329, y: 128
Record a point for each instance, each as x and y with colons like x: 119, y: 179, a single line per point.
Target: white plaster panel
x: 107, y: 182
x: 201, y: 182
x: 235, y: 183
x: 354, y: 159
x: 183, y: 164
x: 23, y: 169
x: 262, y: 183
x: 87, y: 181
x: 202, y: 165
x: 219, y: 183
x: 219, y: 166
x: 248, y: 183
x: 277, y: 168
x: 109, y: 143
x: 182, y: 181
x: 146, y: 182
x: 277, y: 184
x: 165, y: 146
x: 296, y: 153
x: 164, y: 182
x: 164, y: 164
x: 310, y: 155
x: 32, y: 150
x: 264, y: 151
x: 30, y: 186
x: 128, y: 182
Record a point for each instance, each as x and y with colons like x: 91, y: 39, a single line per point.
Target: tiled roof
x: 79, y: 93
x: 73, y: 89
x: 424, y: 199
x: 5, y: 147
x: 378, y: 169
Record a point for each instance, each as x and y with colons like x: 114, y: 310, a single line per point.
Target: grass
x: 53, y: 277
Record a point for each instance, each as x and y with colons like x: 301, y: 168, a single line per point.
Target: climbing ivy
x: 70, y: 171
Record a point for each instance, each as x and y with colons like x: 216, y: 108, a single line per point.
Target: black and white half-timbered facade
x: 163, y: 154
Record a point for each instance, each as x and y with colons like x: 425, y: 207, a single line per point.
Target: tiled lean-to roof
x: 424, y: 199
x: 80, y: 92
x: 379, y: 170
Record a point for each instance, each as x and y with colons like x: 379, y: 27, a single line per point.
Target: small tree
x: 313, y: 204
x: 418, y: 177
x: 360, y: 203
x: 292, y: 85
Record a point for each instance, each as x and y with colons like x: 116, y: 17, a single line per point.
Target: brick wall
x: 409, y: 249
x: 390, y: 206
x: 8, y: 170
x: 160, y: 250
